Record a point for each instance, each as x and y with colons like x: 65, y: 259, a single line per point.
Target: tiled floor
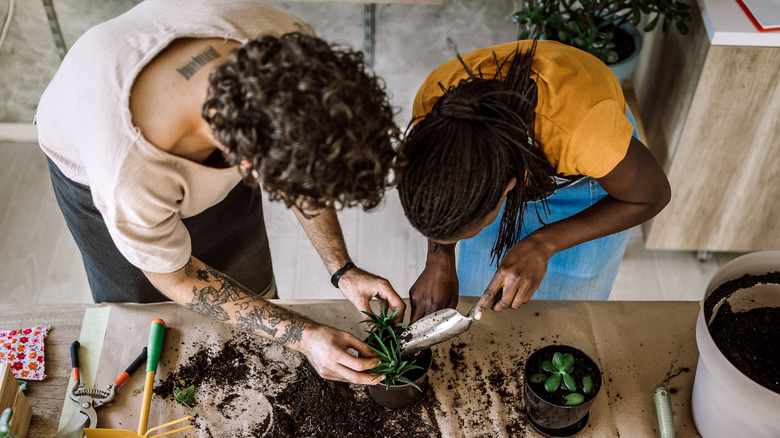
x: 39, y: 261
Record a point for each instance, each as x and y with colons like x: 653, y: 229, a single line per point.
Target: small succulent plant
x: 383, y: 341
x: 560, y: 368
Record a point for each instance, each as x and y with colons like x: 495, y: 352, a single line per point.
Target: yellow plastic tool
x: 156, y: 337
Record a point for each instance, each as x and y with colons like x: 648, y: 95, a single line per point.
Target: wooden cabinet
x: 711, y: 115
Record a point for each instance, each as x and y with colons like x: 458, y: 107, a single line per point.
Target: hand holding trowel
x: 437, y: 327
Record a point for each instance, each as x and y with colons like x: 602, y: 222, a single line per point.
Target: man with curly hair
x: 151, y: 124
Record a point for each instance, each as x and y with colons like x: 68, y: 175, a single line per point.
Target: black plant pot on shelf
x: 547, y: 412
x: 399, y: 396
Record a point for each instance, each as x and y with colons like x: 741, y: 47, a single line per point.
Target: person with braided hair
x: 531, y: 160
x: 162, y: 125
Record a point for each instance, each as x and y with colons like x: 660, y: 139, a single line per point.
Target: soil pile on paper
x: 750, y: 340
x: 296, y: 401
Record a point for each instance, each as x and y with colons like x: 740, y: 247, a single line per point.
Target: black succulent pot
x: 547, y: 412
x: 399, y: 396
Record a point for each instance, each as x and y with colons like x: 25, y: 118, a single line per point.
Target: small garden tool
x: 89, y: 398
x: 437, y: 327
x: 156, y: 338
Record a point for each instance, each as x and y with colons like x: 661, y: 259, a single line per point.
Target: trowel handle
x: 131, y: 369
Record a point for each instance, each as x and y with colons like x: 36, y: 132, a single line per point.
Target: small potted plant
x: 403, y: 376
x: 606, y: 29
x: 561, y: 383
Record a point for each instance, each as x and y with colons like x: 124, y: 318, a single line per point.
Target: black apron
x: 229, y: 236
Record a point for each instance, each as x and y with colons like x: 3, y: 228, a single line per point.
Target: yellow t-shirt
x: 581, y: 118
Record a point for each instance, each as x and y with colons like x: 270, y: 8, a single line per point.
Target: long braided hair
x: 455, y: 163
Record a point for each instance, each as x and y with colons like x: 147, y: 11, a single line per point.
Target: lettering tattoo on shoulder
x: 198, y: 61
x: 261, y: 318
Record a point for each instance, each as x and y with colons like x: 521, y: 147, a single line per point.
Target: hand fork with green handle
x: 156, y: 337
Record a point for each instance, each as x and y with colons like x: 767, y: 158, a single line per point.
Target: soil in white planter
x: 750, y: 339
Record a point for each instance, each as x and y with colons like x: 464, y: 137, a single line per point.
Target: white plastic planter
x: 726, y: 403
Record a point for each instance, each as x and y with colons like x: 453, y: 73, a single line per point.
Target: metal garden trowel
x: 437, y: 327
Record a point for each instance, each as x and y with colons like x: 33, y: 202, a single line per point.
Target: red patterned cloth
x: 23, y: 351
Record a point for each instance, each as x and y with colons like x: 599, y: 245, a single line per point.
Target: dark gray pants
x: 229, y: 237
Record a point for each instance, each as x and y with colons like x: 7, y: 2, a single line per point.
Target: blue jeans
x: 584, y: 272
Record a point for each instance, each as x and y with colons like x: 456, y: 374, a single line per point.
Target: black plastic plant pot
x: 547, y: 412
x: 399, y: 396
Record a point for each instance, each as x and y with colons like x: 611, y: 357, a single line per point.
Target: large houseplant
x: 602, y: 28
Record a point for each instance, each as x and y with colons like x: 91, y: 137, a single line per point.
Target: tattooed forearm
x: 268, y: 320
x: 221, y: 298
x: 209, y: 300
x: 204, y: 301
x: 293, y: 332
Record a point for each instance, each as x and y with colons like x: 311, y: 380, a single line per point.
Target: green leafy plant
x: 186, y: 397
x: 383, y: 341
x: 591, y: 25
x: 560, y: 368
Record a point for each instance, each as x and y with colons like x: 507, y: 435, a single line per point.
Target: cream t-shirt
x: 85, y: 126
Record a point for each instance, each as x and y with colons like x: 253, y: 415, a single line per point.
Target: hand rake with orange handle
x: 156, y: 337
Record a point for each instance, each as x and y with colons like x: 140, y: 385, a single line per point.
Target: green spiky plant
x: 560, y: 369
x: 383, y: 341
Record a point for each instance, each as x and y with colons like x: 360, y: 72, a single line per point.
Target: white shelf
x: 728, y: 25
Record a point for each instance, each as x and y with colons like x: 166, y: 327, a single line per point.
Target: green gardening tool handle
x: 154, y: 350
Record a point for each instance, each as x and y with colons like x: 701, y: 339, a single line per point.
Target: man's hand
x: 519, y: 275
x: 437, y: 286
x: 359, y: 287
x: 326, y: 348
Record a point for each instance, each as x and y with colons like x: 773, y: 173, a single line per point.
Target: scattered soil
x: 313, y: 406
x: 255, y: 388
x: 750, y: 340
x: 309, y: 406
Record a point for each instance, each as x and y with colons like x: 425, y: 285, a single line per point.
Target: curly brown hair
x: 309, y: 116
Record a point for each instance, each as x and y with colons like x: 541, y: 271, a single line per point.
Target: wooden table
x: 638, y: 345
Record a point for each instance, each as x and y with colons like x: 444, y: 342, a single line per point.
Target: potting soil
x: 750, y: 340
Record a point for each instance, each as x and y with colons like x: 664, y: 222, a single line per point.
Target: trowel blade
x: 439, y: 326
